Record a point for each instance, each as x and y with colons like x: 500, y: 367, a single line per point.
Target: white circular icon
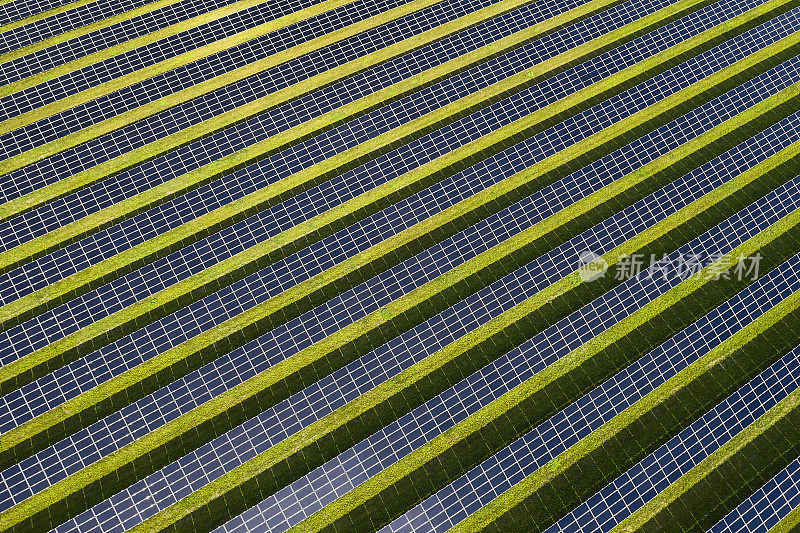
x: 591, y: 266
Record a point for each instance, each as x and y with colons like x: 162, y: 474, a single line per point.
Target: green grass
x: 555, y: 489
x: 399, y: 395
x: 95, y: 26
x: 789, y: 524
x: 157, y: 372
x: 105, y: 271
x: 467, y: 61
x: 705, y: 494
x: 443, y: 459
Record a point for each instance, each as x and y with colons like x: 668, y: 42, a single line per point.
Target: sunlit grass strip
x: 244, y: 112
x: 705, y: 494
x: 323, y: 440
x: 92, y: 132
x: 448, y: 456
x: 789, y: 524
x: 244, y: 401
x: 50, y: 427
x: 105, y: 23
x: 576, y: 474
x: 192, y: 231
x: 187, y: 57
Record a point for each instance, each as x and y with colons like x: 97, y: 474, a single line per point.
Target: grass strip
x: 246, y: 400
x: 155, y: 373
x: 705, y: 494
x: 160, y: 246
x: 551, y: 492
x: 789, y: 524
x: 187, y: 57
x: 242, y: 113
x: 116, y: 19
x: 430, y: 77
x: 453, y: 453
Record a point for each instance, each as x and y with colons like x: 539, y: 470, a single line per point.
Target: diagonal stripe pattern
x: 423, y: 280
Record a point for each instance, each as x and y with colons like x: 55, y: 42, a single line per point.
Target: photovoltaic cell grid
x: 465, y: 130
x: 279, y: 120
x: 490, y: 385
x: 476, y: 488
x: 324, y: 197
x: 76, y: 377
x: 105, y: 38
x: 55, y: 24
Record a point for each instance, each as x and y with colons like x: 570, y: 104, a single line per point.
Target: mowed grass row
x: 314, y: 445
x: 558, y: 487
x: 244, y: 112
x: 122, y: 17
x: 713, y: 488
x: 467, y: 61
x: 150, y: 309
x: 789, y: 524
x: 445, y: 458
x: 201, y: 425
x: 157, y: 372
x: 269, y: 196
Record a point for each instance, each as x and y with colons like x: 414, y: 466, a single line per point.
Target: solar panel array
x: 400, y: 265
